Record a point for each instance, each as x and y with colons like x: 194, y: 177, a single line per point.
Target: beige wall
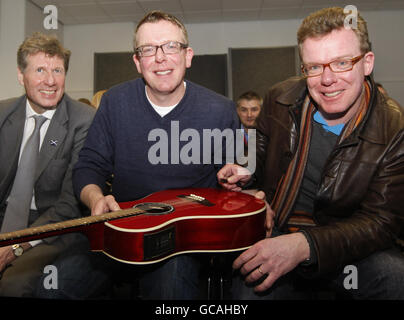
x: 19, y: 18
x: 83, y: 41
x: 385, y: 29
x: 12, y: 33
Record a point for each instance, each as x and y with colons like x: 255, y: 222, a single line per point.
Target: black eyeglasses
x: 339, y: 65
x: 171, y: 47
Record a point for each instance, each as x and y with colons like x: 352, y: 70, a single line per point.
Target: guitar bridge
x: 195, y: 198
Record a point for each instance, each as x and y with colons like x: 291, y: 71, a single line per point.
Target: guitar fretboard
x: 69, y: 224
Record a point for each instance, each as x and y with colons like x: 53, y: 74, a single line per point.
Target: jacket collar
x: 295, y: 93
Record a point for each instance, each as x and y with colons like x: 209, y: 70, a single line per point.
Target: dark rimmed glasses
x: 339, y: 65
x: 171, y: 47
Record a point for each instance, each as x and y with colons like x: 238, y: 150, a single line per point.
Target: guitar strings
x: 123, y: 213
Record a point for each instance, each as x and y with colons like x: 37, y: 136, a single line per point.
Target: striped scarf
x: 289, y: 184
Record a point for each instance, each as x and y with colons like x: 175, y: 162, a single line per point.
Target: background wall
x: 12, y: 33
x: 19, y: 18
x: 84, y: 41
x: 385, y: 28
x: 386, y: 33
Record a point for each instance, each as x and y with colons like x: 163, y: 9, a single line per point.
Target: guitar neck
x: 74, y: 225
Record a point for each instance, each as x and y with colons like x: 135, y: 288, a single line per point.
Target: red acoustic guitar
x: 164, y: 224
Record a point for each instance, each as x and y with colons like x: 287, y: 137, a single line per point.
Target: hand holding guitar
x: 232, y: 177
x: 270, y: 214
x: 95, y: 200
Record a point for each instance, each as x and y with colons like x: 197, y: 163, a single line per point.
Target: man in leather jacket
x: 330, y: 159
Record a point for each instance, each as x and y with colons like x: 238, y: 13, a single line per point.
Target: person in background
x: 96, y: 99
x: 85, y: 100
x: 249, y: 106
x: 330, y: 159
x: 41, y: 134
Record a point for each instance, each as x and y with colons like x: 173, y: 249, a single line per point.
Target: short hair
x: 96, y: 99
x: 39, y: 42
x: 324, y: 21
x: 249, y: 95
x: 156, y: 16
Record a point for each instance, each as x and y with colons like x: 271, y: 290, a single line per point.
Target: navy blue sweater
x: 128, y: 137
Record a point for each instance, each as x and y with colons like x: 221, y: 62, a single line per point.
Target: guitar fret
x: 68, y: 224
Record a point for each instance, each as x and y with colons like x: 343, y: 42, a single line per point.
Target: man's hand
x: 7, y: 255
x: 273, y: 257
x: 95, y: 200
x: 270, y: 214
x: 104, y: 205
x: 233, y: 176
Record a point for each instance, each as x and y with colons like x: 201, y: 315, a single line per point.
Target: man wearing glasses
x: 330, y: 159
x: 119, y: 142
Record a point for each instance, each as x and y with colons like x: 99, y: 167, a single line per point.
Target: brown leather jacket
x: 359, y: 206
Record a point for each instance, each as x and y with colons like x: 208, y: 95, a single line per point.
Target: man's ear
x: 369, y: 61
x: 136, y: 60
x: 189, y: 54
x: 20, y: 76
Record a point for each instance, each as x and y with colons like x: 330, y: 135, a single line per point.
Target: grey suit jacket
x: 53, y: 188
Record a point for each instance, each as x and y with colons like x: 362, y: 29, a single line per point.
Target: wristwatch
x: 17, y: 249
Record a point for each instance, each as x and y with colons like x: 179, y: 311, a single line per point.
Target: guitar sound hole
x: 155, y: 208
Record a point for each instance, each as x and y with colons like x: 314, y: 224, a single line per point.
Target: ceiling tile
x: 279, y: 13
x: 241, y: 4
x: 122, y: 8
x: 201, y: 16
x: 65, y: 17
x: 320, y: 3
x: 163, y: 5
x: 94, y: 19
x: 84, y: 10
x: 199, y: 11
x: 61, y: 3
x: 198, y: 5
x: 135, y: 18
x: 281, y: 3
x: 240, y: 15
x: 392, y: 5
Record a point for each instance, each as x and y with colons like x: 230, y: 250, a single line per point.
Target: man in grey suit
x: 42, y: 68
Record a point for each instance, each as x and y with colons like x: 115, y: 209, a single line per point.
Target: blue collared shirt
x: 336, y: 129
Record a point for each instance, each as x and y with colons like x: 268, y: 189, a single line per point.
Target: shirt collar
x: 30, y: 112
x: 336, y: 129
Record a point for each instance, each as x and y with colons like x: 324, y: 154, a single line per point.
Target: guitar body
x: 181, y: 221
